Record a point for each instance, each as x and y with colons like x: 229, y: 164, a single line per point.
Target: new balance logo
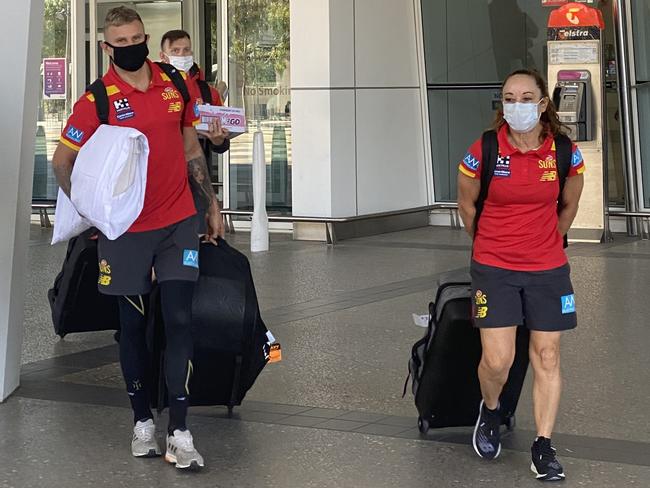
x: 175, y: 107
x: 549, y: 176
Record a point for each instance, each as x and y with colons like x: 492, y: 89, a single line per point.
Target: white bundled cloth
x: 109, y: 180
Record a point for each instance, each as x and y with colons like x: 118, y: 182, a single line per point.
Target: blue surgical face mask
x: 521, y: 117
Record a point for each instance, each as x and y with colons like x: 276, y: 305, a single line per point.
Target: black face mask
x: 130, y: 58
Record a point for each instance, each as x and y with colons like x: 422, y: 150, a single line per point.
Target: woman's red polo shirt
x: 518, y: 227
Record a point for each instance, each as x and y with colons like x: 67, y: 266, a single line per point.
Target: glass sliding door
x: 211, y: 14
x: 247, y: 46
x: 258, y: 81
x: 55, y: 102
x: 158, y: 17
x: 640, y: 14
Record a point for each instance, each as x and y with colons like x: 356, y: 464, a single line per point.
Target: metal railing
x: 43, y: 206
x: 330, y: 221
x: 642, y: 218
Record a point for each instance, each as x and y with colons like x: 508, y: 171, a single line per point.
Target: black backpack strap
x: 206, y: 93
x: 204, y: 88
x: 98, y: 90
x: 177, y: 79
x: 563, y: 156
x: 194, y: 70
x: 489, y: 154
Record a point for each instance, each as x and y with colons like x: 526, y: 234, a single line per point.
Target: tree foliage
x: 259, y: 38
x: 55, y: 28
x: 279, y: 20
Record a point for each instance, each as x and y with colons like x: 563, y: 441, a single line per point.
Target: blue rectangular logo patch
x: 471, y: 162
x: 75, y: 134
x: 125, y: 115
x: 576, y: 158
x: 191, y: 258
x: 568, y: 304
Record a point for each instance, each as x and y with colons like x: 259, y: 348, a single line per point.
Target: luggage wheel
x: 511, y: 423
x: 423, y: 425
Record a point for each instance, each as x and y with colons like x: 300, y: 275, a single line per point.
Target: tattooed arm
x: 199, y: 177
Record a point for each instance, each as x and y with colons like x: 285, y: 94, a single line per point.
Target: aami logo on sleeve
x: 568, y: 304
x: 191, y: 258
x: 74, y: 134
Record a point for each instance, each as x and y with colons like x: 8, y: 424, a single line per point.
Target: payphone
x: 573, y: 99
x: 576, y: 81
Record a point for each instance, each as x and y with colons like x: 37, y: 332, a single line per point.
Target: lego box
x: 232, y: 118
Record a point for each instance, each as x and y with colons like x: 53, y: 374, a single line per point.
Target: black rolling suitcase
x: 443, y: 364
x: 231, y: 345
x: 75, y: 302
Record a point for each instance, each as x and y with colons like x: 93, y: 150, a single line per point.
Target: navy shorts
x: 125, y: 263
x: 542, y: 300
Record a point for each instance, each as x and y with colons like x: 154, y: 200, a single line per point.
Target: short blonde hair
x: 120, y: 16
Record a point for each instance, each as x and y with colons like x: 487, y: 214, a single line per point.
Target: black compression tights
x: 176, y: 302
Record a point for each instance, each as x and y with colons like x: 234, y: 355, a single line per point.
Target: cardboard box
x: 232, y: 118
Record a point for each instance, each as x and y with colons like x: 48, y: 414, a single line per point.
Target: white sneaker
x: 144, y: 442
x: 180, y: 451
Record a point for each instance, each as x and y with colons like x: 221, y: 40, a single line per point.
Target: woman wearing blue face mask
x: 520, y: 272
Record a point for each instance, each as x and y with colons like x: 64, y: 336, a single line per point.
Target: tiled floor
x: 332, y: 413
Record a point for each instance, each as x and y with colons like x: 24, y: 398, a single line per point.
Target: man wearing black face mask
x: 164, y: 236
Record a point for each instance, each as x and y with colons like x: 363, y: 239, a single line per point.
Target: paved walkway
x: 331, y: 413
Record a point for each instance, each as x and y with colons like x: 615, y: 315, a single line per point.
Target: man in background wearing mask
x: 176, y: 49
x: 164, y: 236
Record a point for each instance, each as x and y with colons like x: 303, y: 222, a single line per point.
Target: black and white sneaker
x: 545, y: 465
x: 487, y: 438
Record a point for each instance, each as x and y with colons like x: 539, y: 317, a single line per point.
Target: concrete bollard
x: 260, y: 222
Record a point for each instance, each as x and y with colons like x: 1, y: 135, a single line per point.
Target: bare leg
x: 497, y: 358
x: 545, y: 358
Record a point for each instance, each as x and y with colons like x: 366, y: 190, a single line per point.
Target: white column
x: 23, y: 25
x: 357, y: 118
x: 78, y: 49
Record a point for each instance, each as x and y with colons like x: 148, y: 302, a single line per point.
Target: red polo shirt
x: 157, y: 113
x: 518, y: 226
x: 194, y: 76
